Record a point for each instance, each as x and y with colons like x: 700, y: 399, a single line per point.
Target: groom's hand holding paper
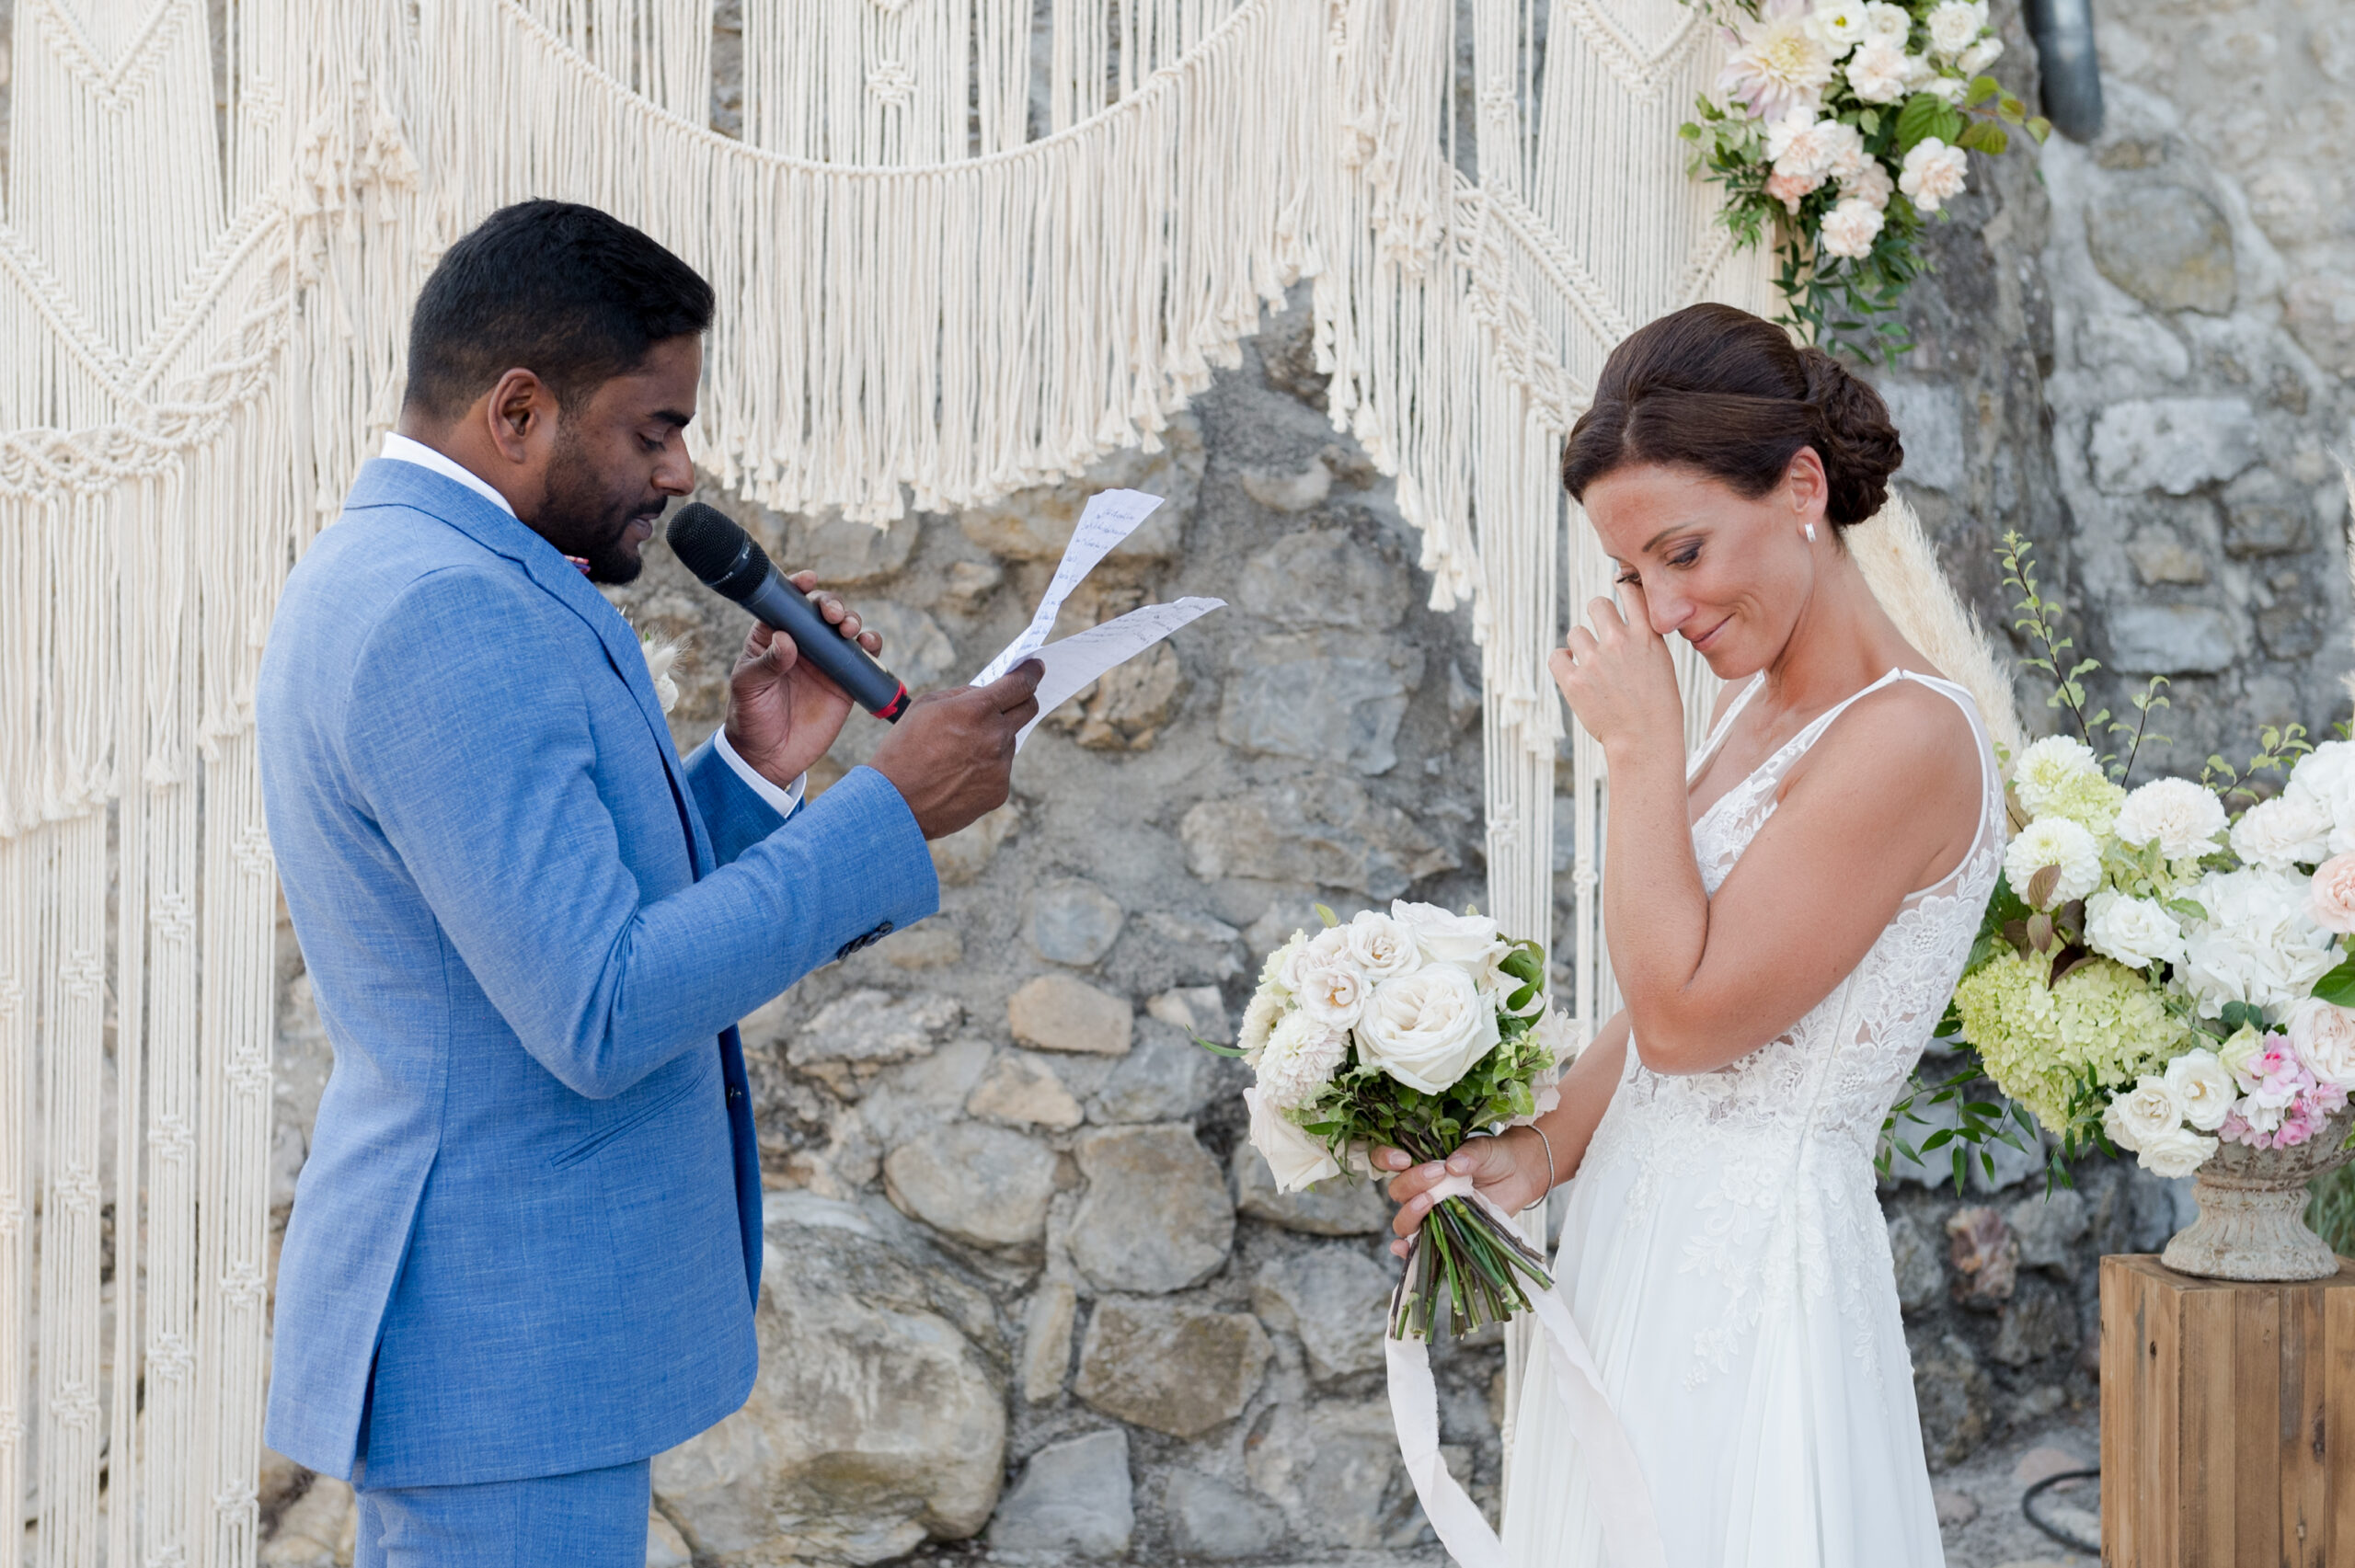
x: 952, y: 755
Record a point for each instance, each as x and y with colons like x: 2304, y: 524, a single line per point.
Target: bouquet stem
x: 1464, y: 1265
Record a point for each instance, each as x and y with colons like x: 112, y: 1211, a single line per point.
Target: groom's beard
x: 583, y: 517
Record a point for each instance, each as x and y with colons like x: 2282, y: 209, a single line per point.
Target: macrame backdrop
x: 961, y: 248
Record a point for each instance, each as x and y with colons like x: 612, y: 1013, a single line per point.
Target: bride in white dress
x: 1786, y: 915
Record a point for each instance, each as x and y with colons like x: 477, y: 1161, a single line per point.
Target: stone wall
x: 1025, y: 1284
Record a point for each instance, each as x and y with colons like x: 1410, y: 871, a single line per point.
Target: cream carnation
x: 2175, y: 1154
x: 1382, y: 945
x: 1470, y: 939
x: 1280, y: 962
x: 2331, y: 894
x: 1259, y: 1015
x: 1877, y: 71
x: 1779, y: 63
x: 1849, y: 228
x: 1298, y: 1060
x: 2180, y: 816
x: 1933, y: 172
x: 2138, y: 933
x: 2203, y: 1087
x: 1293, y: 1157
x: 2282, y: 832
x: 2259, y: 943
x: 1955, y: 25
x: 1426, y: 1029
x: 2055, y: 842
x: 2324, y: 1037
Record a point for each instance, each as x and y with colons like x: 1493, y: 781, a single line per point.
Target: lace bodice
x: 1835, y: 1072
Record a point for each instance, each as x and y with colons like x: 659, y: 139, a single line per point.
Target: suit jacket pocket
x: 611, y: 1130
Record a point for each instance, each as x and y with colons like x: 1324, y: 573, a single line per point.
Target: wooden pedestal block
x: 2227, y: 1420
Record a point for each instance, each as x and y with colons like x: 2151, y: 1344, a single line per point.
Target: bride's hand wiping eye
x: 1616, y: 675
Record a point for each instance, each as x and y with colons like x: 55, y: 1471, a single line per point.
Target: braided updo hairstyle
x: 1721, y: 391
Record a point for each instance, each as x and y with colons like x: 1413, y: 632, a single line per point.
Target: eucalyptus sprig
x: 2038, y: 621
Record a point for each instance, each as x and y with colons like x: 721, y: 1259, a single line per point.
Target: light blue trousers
x: 591, y: 1519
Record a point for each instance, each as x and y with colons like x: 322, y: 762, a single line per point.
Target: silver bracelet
x: 1549, y: 1155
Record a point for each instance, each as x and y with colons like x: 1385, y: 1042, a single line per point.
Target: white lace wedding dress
x: 1727, y: 1261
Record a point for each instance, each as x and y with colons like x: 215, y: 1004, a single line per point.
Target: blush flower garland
x: 1840, y: 125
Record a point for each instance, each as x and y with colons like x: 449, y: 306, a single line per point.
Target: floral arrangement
x: 1412, y: 1030
x: 2157, y: 972
x: 1840, y: 124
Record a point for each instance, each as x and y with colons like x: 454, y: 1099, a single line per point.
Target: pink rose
x: 2334, y: 894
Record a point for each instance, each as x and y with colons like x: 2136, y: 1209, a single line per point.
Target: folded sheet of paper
x: 1109, y: 517
x: 1082, y: 657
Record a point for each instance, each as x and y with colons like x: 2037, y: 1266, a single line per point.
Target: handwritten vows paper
x: 1109, y: 517
x: 1070, y: 664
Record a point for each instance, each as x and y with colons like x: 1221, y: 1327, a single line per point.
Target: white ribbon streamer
x: 1630, y: 1531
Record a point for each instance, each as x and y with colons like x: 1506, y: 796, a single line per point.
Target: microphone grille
x: 706, y: 539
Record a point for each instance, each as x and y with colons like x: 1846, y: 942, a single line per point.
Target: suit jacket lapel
x: 383, y: 482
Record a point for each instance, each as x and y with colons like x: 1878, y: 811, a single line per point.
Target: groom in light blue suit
x: 525, y: 1249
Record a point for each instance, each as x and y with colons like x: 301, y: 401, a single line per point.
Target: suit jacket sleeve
x: 733, y: 814
x: 471, y: 749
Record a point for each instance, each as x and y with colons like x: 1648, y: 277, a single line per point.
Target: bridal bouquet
x: 1414, y: 1029
x: 2153, y: 971
x: 1840, y: 123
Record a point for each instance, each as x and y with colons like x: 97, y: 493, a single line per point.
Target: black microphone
x: 709, y: 545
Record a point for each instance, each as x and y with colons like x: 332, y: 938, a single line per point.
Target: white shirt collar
x: 400, y: 449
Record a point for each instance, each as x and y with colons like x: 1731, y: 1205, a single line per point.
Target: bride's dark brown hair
x: 1717, y: 390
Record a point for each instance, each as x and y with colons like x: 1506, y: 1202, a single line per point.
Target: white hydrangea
x: 1933, y: 173
x: 2054, y: 841
x: 2284, y: 831
x: 2138, y: 933
x: 1298, y: 1060
x: 1849, y: 228
x: 2183, y: 818
x: 2050, y: 766
x: 1955, y: 25
x: 2259, y: 943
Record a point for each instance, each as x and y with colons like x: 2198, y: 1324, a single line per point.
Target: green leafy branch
x: 2039, y: 623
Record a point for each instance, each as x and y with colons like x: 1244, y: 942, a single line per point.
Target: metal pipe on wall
x: 2064, y: 30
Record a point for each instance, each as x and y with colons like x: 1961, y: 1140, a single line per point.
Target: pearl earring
x: 1810, y: 533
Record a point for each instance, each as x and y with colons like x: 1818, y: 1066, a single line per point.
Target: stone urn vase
x: 2252, y: 1221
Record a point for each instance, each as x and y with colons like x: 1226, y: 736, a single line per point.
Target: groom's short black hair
x: 574, y: 295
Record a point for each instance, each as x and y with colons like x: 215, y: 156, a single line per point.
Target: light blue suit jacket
x: 532, y: 1198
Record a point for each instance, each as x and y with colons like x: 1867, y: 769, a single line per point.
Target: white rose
x: 1950, y: 89
x: 1978, y: 56
x: 1445, y: 938
x: 1955, y: 25
x: 2203, y: 1087
x: 2138, y: 933
x: 1293, y: 1157
x: 1427, y: 1029
x: 1840, y: 23
x: 2283, y: 831
x: 1332, y: 992
x: 1877, y: 71
x: 1888, y: 24
x: 2183, y: 817
x: 2055, y: 842
x: 2326, y: 777
x: 1298, y: 1060
x: 2324, y: 1037
x: 1559, y: 1036
x: 1849, y: 228
x: 1933, y: 172
x: 2050, y: 766
x: 1872, y: 185
x: 1259, y: 1017
x: 2177, y: 1154
x: 2259, y: 943
x: 1383, y: 947
x: 2148, y: 1111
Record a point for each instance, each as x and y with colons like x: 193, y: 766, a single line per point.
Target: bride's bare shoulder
x: 1908, y: 736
